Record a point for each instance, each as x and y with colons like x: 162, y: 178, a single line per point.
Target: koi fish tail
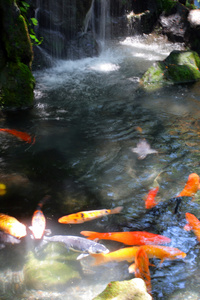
x: 43, y: 201
x: 98, y: 259
x: 116, y: 210
x: 91, y: 235
x: 131, y: 268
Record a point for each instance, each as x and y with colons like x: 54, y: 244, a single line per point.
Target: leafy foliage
x: 24, y: 7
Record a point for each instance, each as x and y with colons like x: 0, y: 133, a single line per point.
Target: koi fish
x: 194, y: 224
x: 150, y: 198
x: 2, y: 189
x: 39, y: 221
x: 24, y: 136
x: 77, y: 244
x: 163, y: 252
x: 138, y: 128
x: 142, y: 268
x: 192, y: 186
x: 12, y: 226
x: 128, y: 254
x: 129, y: 237
x: 123, y: 254
x: 143, y: 149
x: 84, y: 216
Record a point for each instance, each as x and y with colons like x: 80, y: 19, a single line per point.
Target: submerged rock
x: 179, y: 67
x: 133, y: 289
x: 52, y: 270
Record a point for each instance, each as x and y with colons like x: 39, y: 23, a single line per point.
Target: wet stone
x: 51, y: 270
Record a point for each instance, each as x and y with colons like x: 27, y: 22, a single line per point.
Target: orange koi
x: 123, y: 254
x: 142, y: 268
x: 191, y: 187
x: 163, y: 252
x: 84, y: 216
x: 24, y: 136
x: 39, y: 221
x: 138, y: 128
x: 12, y: 226
x: 150, y: 198
x: 128, y: 254
x: 128, y: 238
x: 194, y: 224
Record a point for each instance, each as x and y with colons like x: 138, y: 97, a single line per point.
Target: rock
x: 178, y: 67
x: 52, y: 270
x: 16, y: 80
x: 133, y: 289
x: 174, y: 23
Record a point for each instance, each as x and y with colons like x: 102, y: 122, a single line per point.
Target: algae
x: 179, y: 67
x: 133, y: 289
x: 52, y: 270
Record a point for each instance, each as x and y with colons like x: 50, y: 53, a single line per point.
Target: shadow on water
x: 88, y: 114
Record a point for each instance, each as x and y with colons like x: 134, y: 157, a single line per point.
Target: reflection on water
x: 85, y: 120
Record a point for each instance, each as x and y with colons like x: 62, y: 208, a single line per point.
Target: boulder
x: 134, y: 289
x: 179, y: 67
x: 52, y: 270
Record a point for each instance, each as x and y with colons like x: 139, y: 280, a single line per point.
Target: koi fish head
x: 18, y: 230
x: 38, y: 224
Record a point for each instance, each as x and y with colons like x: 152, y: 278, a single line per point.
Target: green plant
x: 166, y: 5
x: 31, y: 22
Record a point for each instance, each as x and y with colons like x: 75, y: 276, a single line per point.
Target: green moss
x: 154, y: 74
x: 17, y: 42
x: 183, y: 73
x: 51, y: 272
x: 178, y: 67
x: 16, y: 80
x: 165, y: 5
x: 16, y: 86
x: 127, y: 289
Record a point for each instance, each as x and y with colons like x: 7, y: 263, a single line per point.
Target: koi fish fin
x: 82, y: 255
x: 43, y: 201
x: 187, y: 227
x: 152, y: 265
x: 98, y: 258
x: 131, y: 268
x: 47, y: 231
x: 2, y: 246
x: 116, y: 210
x: 96, y: 240
x: 31, y: 228
x: 91, y: 235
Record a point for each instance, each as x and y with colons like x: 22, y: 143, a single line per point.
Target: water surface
x: 87, y: 116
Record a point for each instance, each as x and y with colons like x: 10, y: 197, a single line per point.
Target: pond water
x: 87, y: 116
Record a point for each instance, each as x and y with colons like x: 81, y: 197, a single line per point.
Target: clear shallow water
x: 85, y: 120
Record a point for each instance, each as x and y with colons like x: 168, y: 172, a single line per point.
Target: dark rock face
x: 16, y: 79
x: 61, y: 24
x: 194, y: 33
x: 175, y: 24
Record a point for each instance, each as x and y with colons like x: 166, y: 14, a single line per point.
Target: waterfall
x: 71, y: 30
x: 97, y: 21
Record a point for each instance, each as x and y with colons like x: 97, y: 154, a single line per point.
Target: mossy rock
x: 183, y: 58
x: 15, y: 34
x: 16, y: 86
x: 179, y: 67
x: 133, y: 289
x: 53, y: 271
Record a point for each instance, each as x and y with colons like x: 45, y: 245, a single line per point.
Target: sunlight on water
x: 105, y: 67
